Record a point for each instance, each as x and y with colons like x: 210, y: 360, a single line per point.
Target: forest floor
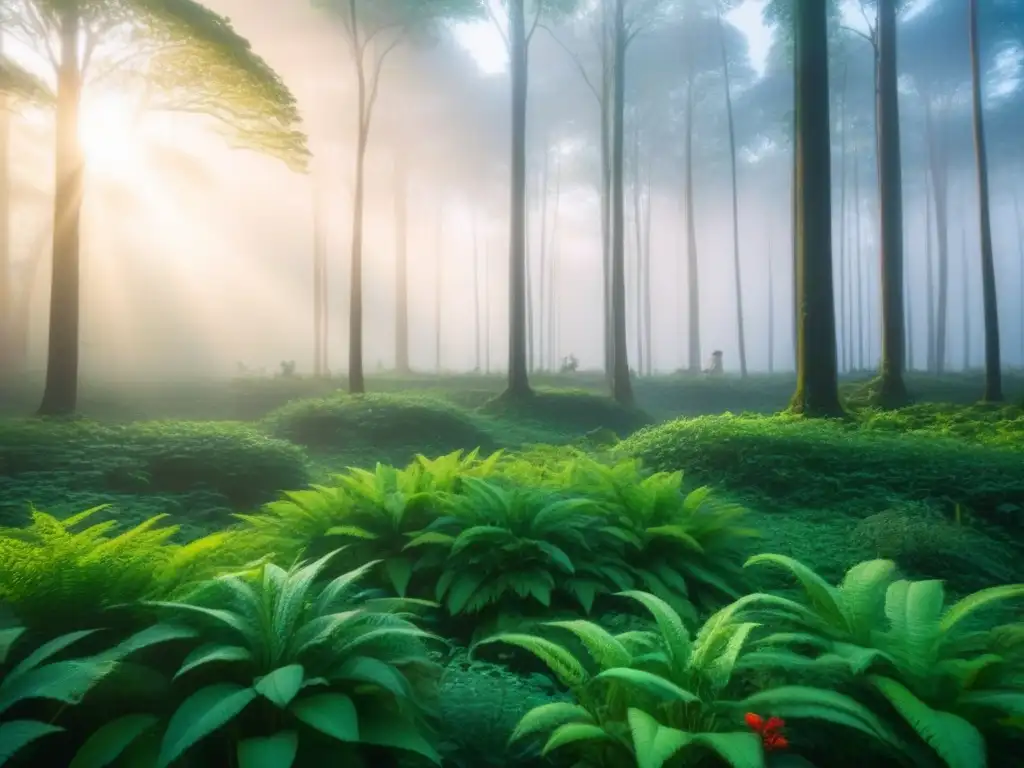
x: 938, y: 486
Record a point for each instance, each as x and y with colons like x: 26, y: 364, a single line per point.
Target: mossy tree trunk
x: 60, y: 396
x: 993, y: 372
x: 817, y: 390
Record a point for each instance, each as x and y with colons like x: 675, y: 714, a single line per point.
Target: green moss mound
x: 999, y: 426
x: 837, y: 466
x: 344, y: 423
x: 573, y: 411
x: 199, y: 470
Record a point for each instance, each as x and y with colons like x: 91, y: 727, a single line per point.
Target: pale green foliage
x: 946, y: 680
x: 328, y: 657
x: 644, y: 697
x: 22, y: 84
x: 59, y: 576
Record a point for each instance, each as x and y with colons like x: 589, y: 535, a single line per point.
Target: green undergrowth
x: 1000, y: 426
x: 199, y: 472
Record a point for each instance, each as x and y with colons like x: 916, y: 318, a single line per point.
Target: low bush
x: 200, y: 471
x: 573, y: 411
x: 835, y: 465
x: 1000, y: 426
x: 375, y: 422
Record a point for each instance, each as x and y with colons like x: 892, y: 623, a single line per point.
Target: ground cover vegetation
x: 722, y: 590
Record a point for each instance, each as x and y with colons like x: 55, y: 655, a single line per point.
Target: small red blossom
x: 769, y: 730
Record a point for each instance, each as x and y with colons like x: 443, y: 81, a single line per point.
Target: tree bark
x: 993, y: 370
x: 692, y: 276
x: 60, y: 396
x: 401, y: 193
x: 817, y: 389
x: 518, y: 378
x: 892, y: 389
x: 841, y: 336
x: 607, y: 88
x: 938, y: 161
x: 737, y: 275
x: 356, y: 379
x: 622, y: 388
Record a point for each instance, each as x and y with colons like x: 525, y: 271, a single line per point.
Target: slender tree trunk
x: 356, y: 379
x: 607, y: 88
x: 542, y: 266
x: 622, y: 388
x: 318, y: 290
x: 401, y: 193
x: 60, y: 396
x: 648, y: 330
x: 817, y: 389
x: 892, y: 390
x: 553, y: 259
x: 692, y: 277
x: 929, y: 255
x: 737, y: 275
x: 476, y: 294
x: 845, y: 366
x: 10, y: 363
x: 966, y: 299
x: 938, y: 161
x: 438, y: 285
x: 862, y: 312
x: 531, y: 362
x: 518, y: 378
x: 993, y: 365
x: 1019, y: 219
x: 771, y: 312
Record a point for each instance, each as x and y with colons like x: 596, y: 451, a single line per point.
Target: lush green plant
x: 644, y: 697
x: 947, y: 680
x: 290, y: 655
x: 996, y: 425
x: 58, y: 576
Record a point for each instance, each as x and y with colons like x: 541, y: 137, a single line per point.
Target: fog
x: 197, y: 257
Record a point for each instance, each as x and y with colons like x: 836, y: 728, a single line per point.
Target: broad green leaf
x: 281, y: 685
x: 15, y: 735
x: 386, y: 730
x: 46, y: 651
x: 210, y: 653
x: 150, y: 636
x: 8, y: 637
x: 201, y: 714
x: 961, y: 609
x: 650, y: 682
x: 277, y: 751
x: 653, y: 743
x: 571, y: 733
x: 607, y: 651
x: 64, y: 681
x: 367, y: 669
x: 549, y: 716
x: 111, y: 740
x: 333, y: 714
x: 740, y: 749
x: 399, y: 571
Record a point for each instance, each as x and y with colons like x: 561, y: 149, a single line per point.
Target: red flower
x: 769, y: 730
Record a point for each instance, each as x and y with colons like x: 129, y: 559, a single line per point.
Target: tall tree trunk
x: 438, y: 285
x: 929, y: 255
x: 531, y: 340
x: 401, y: 194
x: 817, y: 389
x: 692, y: 277
x: 648, y: 330
x: 553, y: 263
x: 60, y: 396
x: 542, y: 266
x: 892, y: 389
x: 622, y: 388
x: 607, y: 89
x: 771, y: 312
x: 966, y: 299
x: 862, y: 312
x: 993, y: 370
x: 518, y: 378
x: 845, y: 348
x: 1019, y: 219
x: 476, y: 293
x: 356, y: 379
x: 737, y: 275
x: 9, y: 360
x: 938, y: 161
x: 318, y: 287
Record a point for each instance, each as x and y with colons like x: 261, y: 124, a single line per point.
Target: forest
x: 520, y: 383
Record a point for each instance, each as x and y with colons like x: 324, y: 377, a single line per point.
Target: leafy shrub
x: 931, y: 669
x: 995, y: 425
x: 821, y: 464
x: 286, y: 661
x: 198, y: 470
x: 574, y: 410
x: 380, y: 421
x: 58, y: 576
x: 926, y: 544
x: 643, y: 698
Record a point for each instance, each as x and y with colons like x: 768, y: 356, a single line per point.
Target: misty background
x: 197, y: 257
